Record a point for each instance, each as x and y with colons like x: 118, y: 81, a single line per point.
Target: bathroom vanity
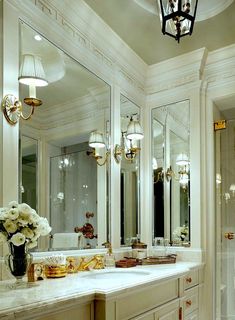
x: 144, y: 292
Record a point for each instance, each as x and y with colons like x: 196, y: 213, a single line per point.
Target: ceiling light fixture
x: 177, y: 17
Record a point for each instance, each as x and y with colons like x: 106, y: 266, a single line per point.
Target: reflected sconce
x: 177, y: 17
x: 96, y: 141
x: 182, y: 161
x: 129, y: 149
x: 232, y: 189
x: 31, y: 74
x: 218, y: 179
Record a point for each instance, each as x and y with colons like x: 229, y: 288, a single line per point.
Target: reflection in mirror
x: 73, y: 172
x: 28, y: 163
x: 158, y: 178
x: 129, y: 175
x: 171, y: 172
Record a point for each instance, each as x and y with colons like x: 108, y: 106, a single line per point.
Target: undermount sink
x: 116, y: 274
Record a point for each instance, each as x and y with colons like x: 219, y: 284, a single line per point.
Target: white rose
x: 24, y: 209
x: 34, y: 217
x: 36, y: 236
x: 24, y: 219
x: 27, y: 232
x: 3, y: 213
x: 18, y: 239
x: 13, y: 214
x: 13, y: 204
x: 3, y: 237
x: 10, y: 226
x: 32, y: 244
x: 43, y: 226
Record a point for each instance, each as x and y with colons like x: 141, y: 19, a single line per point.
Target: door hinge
x: 180, y: 313
x: 219, y: 125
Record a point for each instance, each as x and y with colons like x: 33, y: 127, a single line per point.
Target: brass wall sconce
x: 96, y: 141
x: 183, y: 174
x: 31, y: 74
x: 128, y: 149
x: 12, y: 108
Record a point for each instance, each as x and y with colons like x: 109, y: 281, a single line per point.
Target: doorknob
x: 229, y: 235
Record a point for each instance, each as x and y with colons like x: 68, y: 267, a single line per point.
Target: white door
x: 225, y: 221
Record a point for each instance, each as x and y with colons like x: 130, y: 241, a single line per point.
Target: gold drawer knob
x: 188, y: 279
x: 188, y: 303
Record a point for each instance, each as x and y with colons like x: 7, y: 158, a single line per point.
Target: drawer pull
x: 188, y: 279
x: 188, y: 303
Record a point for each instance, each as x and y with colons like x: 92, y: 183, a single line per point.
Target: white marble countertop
x: 86, y: 285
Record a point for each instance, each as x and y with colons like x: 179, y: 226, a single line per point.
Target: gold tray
x: 55, y: 271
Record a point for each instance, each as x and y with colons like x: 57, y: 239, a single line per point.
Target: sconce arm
x: 98, y: 158
x: 12, y: 108
x: 29, y: 116
x: 119, y: 151
x: 33, y: 102
x: 105, y: 159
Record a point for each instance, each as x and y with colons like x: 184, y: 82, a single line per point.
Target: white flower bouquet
x: 180, y: 233
x: 20, y: 224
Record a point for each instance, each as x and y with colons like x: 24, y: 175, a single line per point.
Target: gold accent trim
x: 11, y: 108
x: 219, y: 125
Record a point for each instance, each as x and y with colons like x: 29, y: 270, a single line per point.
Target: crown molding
x: 95, y: 45
x: 220, y: 65
x: 176, y: 72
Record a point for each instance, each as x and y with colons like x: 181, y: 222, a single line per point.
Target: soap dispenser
x: 109, y: 258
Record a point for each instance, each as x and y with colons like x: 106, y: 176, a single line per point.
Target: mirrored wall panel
x: 71, y: 122
x: 130, y: 169
x: 171, y: 173
x: 29, y: 168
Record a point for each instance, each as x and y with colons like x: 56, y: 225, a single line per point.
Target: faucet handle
x: 99, y: 262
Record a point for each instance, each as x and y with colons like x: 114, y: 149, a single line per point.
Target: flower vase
x: 18, y: 261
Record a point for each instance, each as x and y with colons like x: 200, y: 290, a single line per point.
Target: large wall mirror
x: 171, y: 172
x: 130, y: 169
x: 64, y: 144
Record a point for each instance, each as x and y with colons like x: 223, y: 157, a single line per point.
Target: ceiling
x: 138, y: 24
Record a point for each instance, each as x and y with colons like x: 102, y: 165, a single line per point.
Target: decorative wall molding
x: 133, y: 72
x: 220, y: 65
x: 176, y: 72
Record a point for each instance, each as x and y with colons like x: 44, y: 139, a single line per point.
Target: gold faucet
x: 108, y: 246
x: 95, y: 262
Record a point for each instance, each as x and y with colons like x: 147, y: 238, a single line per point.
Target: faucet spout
x: 95, y: 262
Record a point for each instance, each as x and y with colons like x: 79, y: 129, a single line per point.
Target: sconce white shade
x: 218, y: 178
x: 154, y: 163
x: 184, y: 179
x: 134, y: 130
x: 232, y: 188
x: 96, y: 140
x: 32, y: 72
x: 182, y: 159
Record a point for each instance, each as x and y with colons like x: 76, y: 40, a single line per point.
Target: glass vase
x: 18, y: 261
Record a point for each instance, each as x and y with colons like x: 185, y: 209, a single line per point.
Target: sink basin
x: 116, y: 274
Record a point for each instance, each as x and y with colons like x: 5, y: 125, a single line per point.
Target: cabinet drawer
x: 191, y: 279
x: 190, y: 301
x: 193, y: 316
x: 131, y: 305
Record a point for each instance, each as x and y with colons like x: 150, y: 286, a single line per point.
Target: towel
x: 65, y: 240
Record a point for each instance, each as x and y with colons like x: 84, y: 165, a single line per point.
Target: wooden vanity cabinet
x: 154, y: 301
x: 192, y: 293
x: 174, y: 299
